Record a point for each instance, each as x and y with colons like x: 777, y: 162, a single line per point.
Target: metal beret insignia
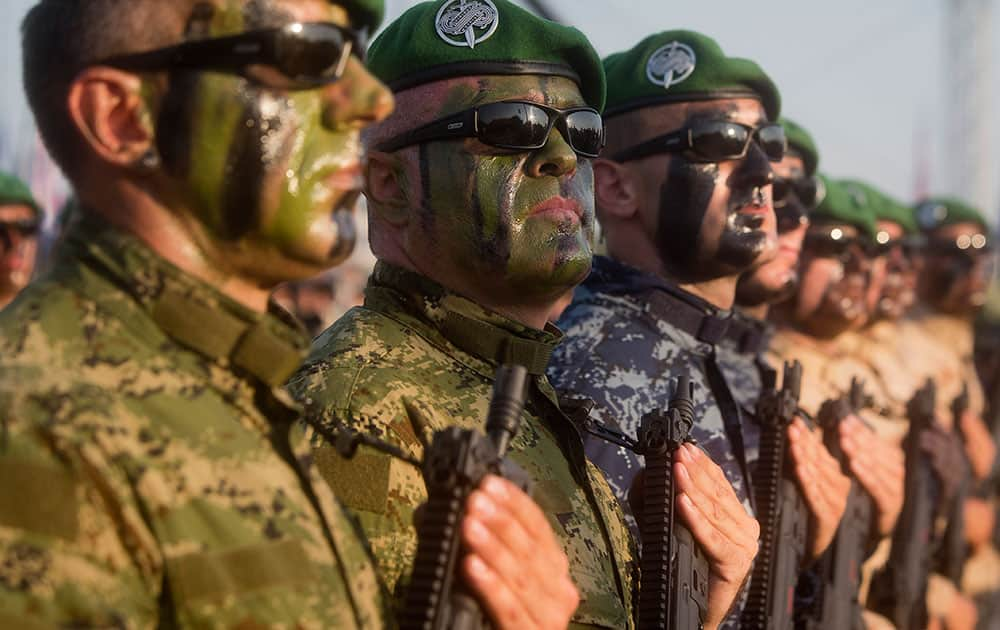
x: 670, y: 64
x: 467, y: 22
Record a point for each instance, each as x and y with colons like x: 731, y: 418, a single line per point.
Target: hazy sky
x: 866, y: 78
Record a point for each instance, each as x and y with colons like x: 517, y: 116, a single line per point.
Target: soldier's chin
x: 742, y: 249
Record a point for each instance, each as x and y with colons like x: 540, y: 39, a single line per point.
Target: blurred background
x: 899, y: 92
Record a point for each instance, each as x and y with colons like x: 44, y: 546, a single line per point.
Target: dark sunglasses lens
x: 789, y: 217
x: 586, y: 132
x: 24, y: 228
x: 513, y: 125
x: 311, y: 51
x: 717, y: 141
x: 826, y: 246
x: 807, y: 189
x: 772, y: 140
x: 779, y: 191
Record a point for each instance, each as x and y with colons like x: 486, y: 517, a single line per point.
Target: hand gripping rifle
x: 673, y: 584
x: 899, y: 591
x: 454, y: 464
x: 952, y: 554
x: 834, y: 602
x: 780, y: 509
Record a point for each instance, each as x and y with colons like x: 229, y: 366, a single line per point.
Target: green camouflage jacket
x: 415, y: 359
x: 152, y: 471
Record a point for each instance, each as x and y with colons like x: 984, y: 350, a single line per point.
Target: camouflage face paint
x: 703, y: 234
x: 264, y: 173
x: 488, y: 213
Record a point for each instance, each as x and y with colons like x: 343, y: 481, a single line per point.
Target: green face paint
x: 525, y: 219
x: 264, y: 170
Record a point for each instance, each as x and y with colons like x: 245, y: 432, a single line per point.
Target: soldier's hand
x: 880, y: 468
x: 514, y: 563
x: 980, y: 519
x: 824, y: 487
x: 979, y: 445
x: 717, y: 520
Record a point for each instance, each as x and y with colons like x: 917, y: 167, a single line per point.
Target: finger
x: 512, y: 500
x: 707, y: 486
x: 727, y: 517
x: 498, y: 601
x: 517, y: 570
x: 721, y: 550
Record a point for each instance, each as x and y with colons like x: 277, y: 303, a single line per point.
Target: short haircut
x: 60, y: 38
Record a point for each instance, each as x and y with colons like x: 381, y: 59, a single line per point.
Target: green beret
x: 802, y: 143
x: 841, y: 205
x: 940, y: 211
x: 444, y: 39
x: 14, y: 192
x: 882, y: 206
x: 680, y: 66
x: 366, y: 13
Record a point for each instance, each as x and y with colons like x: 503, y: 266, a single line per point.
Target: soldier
x: 20, y: 225
x: 153, y: 472
x: 479, y: 230
x: 819, y: 328
x: 684, y: 199
x: 952, y: 289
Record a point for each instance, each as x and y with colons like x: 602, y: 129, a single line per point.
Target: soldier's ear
x: 385, y: 187
x: 615, y: 190
x: 111, y: 115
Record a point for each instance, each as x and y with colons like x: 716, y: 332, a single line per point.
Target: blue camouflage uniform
x: 628, y: 335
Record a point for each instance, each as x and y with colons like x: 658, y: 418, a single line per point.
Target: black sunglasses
x: 519, y: 125
x: 833, y: 242
x: 307, y: 53
x: 965, y: 245
x: 25, y: 227
x: 806, y: 189
x: 790, y: 216
x: 712, y: 141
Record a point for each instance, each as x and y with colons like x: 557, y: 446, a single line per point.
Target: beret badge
x: 467, y: 22
x: 670, y: 64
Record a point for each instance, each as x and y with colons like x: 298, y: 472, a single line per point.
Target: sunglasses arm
x: 672, y: 142
x: 460, y: 125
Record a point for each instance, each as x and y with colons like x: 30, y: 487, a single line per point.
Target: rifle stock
x: 780, y: 509
x: 454, y: 465
x: 673, y: 587
x: 899, y: 591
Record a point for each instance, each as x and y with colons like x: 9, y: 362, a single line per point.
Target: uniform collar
x: 482, y: 333
x: 661, y: 299
x: 267, y: 346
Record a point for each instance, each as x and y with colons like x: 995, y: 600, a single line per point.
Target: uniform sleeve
x: 65, y: 560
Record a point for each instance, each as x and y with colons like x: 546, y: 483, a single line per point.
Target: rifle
x: 454, y: 465
x: 899, y: 590
x: 833, y: 602
x: 673, y: 585
x: 780, y: 508
x: 952, y: 554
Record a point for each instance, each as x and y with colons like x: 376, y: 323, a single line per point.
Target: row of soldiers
x: 171, y: 457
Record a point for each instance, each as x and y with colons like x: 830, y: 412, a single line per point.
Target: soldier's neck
x: 175, y: 237
x: 719, y: 292
x: 757, y: 312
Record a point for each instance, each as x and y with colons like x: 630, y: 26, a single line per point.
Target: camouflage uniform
x: 742, y: 361
x: 623, y: 352
x: 152, y: 471
x: 416, y: 359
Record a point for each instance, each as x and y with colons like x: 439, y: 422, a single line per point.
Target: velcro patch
x: 360, y: 483
x: 38, y: 498
x: 215, y: 575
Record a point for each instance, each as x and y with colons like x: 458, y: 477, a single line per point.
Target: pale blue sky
x: 866, y: 77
